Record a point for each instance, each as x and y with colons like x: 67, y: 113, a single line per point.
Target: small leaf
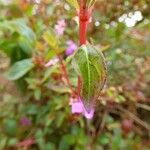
x: 50, y: 38
x: 12, y: 142
x: 50, y: 146
x: 66, y: 142
x: 74, y: 3
x: 21, y: 27
x: 50, y: 54
x: 89, y: 63
x: 19, y: 69
x: 104, y: 139
x: 3, y: 142
x: 11, y: 127
x: 37, y: 94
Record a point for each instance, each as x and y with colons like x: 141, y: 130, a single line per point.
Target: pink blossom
x: 60, y: 27
x: 71, y: 47
x: 77, y: 107
x: 89, y: 115
x: 51, y: 62
x: 25, y: 121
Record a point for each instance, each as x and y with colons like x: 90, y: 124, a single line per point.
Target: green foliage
x: 104, y: 139
x: 27, y: 32
x: 22, y: 35
x: 51, y: 39
x: 19, y: 69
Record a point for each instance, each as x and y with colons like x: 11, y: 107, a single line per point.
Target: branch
x: 135, y: 118
x: 64, y: 69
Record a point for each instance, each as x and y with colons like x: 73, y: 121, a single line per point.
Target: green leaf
x: 50, y: 146
x: 104, y: 139
x: 89, y: 63
x: 66, y: 141
x: 3, y: 142
x: 25, y: 45
x: 73, y: 3
x: 25, y: 36
x: 53, y: 52
x: 12, y: 142
x: 39, y: 139
x: 37, y: 94
x: 116, y: 140
x: 50, y: 54
x: 50, y: 38
x: 19, y: 69
x: 11, y: 127
x: 21, y: 27
x: 60, y: 120
x: 32, y: 110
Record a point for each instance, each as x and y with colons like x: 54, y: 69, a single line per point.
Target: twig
x: 103, y: 122
x: 143, y: 106
x: 64, y: 70
x: 135, y: 118
x: 63, y: 66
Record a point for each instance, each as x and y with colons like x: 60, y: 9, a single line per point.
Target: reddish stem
x: 84, y: 16
x: 63, y: 66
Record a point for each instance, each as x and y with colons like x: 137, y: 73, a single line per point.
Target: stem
x: 64, y: 70
x: 63, y: 66
x: 84, y: 16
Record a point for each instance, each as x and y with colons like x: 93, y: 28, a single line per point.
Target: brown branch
x: 135, y: 118
x: 143, y: 106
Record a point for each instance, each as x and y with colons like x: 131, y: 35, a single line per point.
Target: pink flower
x: 89, y: 115
x: 71, y: 47
x: 25, y: 121
x: 60, y: 27
x: 51, y: 62
x: 77, y: 107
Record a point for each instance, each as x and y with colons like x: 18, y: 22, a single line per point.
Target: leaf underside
x: 89, y: 63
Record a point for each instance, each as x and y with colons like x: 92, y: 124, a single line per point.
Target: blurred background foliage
x: 35, y: 112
